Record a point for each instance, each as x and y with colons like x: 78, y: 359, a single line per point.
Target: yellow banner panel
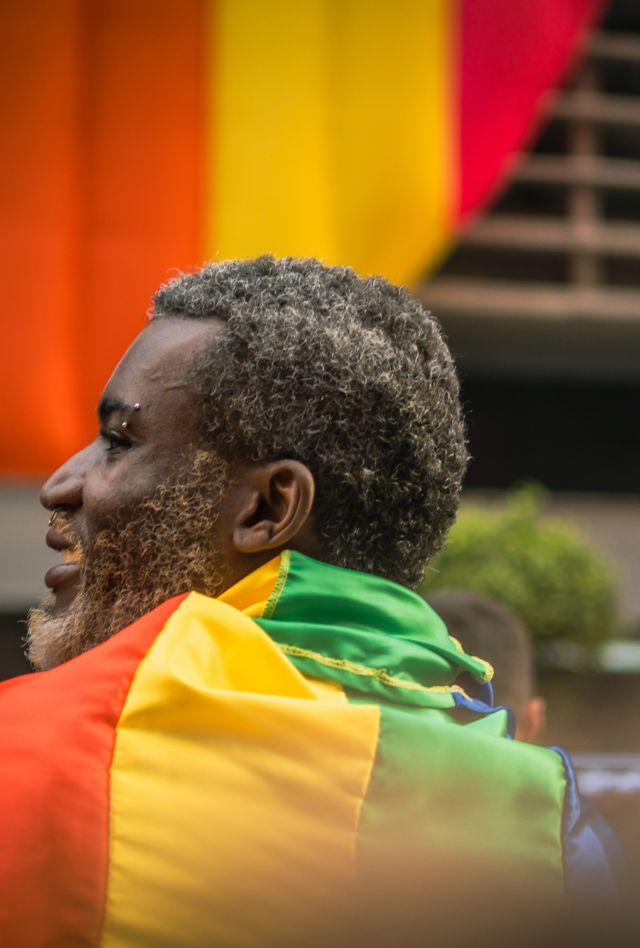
x: 330, y: 131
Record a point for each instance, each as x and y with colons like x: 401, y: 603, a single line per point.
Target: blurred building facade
x: 544, y: 289
x: 541, y: 304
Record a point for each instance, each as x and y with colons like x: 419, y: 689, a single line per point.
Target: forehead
x: 155, y: 370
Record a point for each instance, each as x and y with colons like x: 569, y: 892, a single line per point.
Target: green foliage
x: 543, y: 569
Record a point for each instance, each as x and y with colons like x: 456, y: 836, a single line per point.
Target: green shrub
x: 543, y: 569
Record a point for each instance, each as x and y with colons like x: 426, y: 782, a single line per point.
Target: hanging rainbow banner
x: 147, y: 135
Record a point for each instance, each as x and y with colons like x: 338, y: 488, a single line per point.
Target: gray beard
x: 166, y: 547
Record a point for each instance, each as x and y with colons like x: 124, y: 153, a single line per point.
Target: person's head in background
x: 487, y: 628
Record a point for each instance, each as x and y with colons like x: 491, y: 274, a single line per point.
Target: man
x: 486, y: 627
x: 248, y: 730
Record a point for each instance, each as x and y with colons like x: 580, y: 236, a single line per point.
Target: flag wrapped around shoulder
x: 248, y: 769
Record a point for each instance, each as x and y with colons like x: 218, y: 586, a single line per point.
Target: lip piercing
x: 125, y: 424
x: 53, y: 517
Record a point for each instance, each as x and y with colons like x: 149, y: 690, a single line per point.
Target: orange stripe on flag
x: 40, y: 60
x: 101, y: 180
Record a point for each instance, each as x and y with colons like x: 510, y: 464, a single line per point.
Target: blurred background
x: 485, y: 153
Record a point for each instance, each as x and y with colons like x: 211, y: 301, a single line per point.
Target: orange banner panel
x: 101, y: 198
x: 39, y: 231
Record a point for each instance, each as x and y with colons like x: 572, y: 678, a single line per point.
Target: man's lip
x: 57, y: 541
x: 62, y: 574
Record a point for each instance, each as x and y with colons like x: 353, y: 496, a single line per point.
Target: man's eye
x: 113, y: 441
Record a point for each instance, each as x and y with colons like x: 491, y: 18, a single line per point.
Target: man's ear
x: 277, y: 499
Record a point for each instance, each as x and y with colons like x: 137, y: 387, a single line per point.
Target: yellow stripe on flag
x: 331, y: 131
x: 269, y: 155
x: 235, y: 790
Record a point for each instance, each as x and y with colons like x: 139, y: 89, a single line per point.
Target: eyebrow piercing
x: 125, y: 424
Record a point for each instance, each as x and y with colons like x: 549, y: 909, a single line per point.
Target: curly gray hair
x: 346, y: 374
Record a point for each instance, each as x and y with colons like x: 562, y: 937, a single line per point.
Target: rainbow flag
x: 144, y: 135
x: 248, y: 769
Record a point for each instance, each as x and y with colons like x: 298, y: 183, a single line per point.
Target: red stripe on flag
x: 513, y: 53
x: 57, y: 734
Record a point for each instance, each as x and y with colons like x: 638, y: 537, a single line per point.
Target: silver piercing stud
x: 53, y: 517
x: 136, y: 407
x: 125, y: 424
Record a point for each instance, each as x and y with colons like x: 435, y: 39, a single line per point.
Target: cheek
x: 114, y: 488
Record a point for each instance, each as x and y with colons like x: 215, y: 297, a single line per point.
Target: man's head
x: 489, y: 629
x: 268, y: 404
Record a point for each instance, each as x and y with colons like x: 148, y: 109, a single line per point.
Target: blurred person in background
x: 245, y: 728
x: 488, y: 628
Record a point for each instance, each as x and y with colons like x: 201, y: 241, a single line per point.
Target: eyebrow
x: 109, y: 405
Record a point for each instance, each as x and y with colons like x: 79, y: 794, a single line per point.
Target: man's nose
x: 64, y: 487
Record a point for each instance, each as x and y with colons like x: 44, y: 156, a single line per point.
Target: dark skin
x: 266, y: 508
